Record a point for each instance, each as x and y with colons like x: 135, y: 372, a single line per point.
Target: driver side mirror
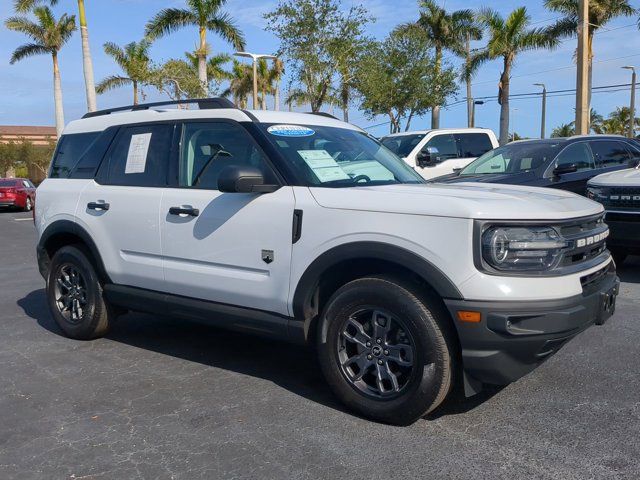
x: 564, y: 169
x: 426, y: 157
x: 243, y: 179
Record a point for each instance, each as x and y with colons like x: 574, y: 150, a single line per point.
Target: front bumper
x: 624, y: 230
x: 513, y: 338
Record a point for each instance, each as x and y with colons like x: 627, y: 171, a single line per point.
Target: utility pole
x: 632, y: 104
x: 543, y: 120
x: 582, y: 83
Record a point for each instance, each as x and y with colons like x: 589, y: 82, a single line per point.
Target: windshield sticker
x: 323, y: 165
x: 290, y: 131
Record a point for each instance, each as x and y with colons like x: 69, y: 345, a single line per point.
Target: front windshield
x: 512, y: 158
x: 402, y: 145
x: 338, y: 157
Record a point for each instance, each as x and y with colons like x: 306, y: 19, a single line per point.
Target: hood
x: 621, y: 178
x: 515, y: 178
x: 462, y: 200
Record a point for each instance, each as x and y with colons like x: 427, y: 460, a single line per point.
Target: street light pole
x: 632, y: 103
x: 582, y: 83
x: 255, y: 57
x: 473, y: 112
x: 543, y: 121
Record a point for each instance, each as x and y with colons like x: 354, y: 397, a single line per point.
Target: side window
x: 635, y: 154
x: 25, y: 184
x: 443, y: 147
x: 208, y: 147
x: 139, y: 156
x: 70, y: 149
x: 497, y: 164
x: 610, y: 153
x: 473, y: 144
x: 578, y: 154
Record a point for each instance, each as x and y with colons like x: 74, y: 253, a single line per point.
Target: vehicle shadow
x: 629, y: 271
x: 291, y: 367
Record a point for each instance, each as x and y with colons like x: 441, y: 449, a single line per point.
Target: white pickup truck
x: 433, y: 153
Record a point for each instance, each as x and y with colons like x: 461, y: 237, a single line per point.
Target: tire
x: 412, y: 329
x: 28, y: 205
x: 619, y: 256
x: 75, y: 295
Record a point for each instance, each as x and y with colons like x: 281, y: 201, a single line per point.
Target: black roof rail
x: 203, y: 104
x: 323, y: 114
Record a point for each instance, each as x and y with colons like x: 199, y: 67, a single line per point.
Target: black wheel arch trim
x: 61, y: 227
x: 369, y: 250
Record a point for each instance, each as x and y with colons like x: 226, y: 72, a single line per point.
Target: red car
x: 17, y: 192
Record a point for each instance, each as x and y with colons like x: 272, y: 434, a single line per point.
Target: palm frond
x: 225, y: 27
x: 169, y: 20
x: 28, y: 50
x: 26, y: 26
x: 111, y: 82
x: 116, y: 52
x: 24, y: 6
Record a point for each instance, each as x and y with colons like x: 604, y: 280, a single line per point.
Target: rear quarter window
x: 473, y: 144
x: 70, y: 150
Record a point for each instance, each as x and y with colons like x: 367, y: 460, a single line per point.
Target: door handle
x: 192, y: 212
x: 98, y: 206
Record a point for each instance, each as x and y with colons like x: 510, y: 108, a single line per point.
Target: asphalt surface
x: 167, y: 398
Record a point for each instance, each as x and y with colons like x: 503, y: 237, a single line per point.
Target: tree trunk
x: 135, y: 92
x: 435, y: 113
x: 408, y: 124
x: 202, y: 61
x: 344, y: 99
x: 589, y: 78
x: 504, y: 101
x: 276, y: 96
x: 57, y: 96
x: 470, y: 119
x: 87, y: 64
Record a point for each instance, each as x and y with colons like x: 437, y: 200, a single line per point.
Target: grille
x: 594, y: 277
x: 623, y: 198
x: 585, y: 238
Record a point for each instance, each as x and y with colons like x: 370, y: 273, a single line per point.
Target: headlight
x: 522, y: 248
x: 596, y: 193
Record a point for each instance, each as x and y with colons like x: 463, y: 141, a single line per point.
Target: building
x: 19, y: 134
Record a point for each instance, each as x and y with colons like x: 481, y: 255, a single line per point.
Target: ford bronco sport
x: 304, y: 228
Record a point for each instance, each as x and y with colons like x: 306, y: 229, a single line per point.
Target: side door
x: 444, y: 154
x: 232, y: 248
x: 580, y: 155
x: 120, y: 208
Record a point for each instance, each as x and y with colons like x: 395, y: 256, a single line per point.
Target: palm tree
x: 446, y: 31
x: 24, y: 6
x: 564, y: 130
x: 618, y: 122
x: 240, y: 83
x: 134, y: 61
x: 601, y: 12
x: 471, y: 30
x: 204, y: 14
x: 48, y: 36
x: 509, y: 37
x: 215, y: 66
x: 596, y: 122
x: 275, y: 75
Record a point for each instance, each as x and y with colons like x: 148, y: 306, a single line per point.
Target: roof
x: 443, y: 130
x: 98, y: 123
x: 26, y: 130
x: 575, y: 138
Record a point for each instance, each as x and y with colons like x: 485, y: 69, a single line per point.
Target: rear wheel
x: 75, y: 295
x: 384, y: 350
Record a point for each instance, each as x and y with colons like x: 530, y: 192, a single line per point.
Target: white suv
x: 619, y: 193
x: 303, y: 228
x: 434, y: 153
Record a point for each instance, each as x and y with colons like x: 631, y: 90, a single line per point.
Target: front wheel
x: 384, y: 351
x: 75, y: 295
x: 28, y: 205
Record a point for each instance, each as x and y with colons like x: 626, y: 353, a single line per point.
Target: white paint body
x: 217, y: 255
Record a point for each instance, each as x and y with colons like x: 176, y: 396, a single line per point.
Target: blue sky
x: 26, y: 96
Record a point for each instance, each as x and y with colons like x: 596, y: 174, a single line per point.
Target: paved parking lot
x: 165, y: 398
